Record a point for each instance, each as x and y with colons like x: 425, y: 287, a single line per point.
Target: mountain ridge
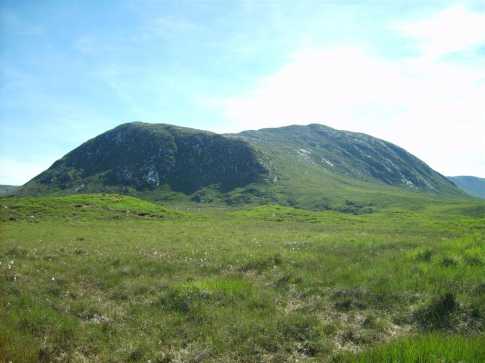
x: 310, y: 166
x: 352, y: 138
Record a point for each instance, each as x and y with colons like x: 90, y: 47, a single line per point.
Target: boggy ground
x: 116, y: 279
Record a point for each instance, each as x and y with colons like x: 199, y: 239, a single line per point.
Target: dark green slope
x: 146, y: 157
x: 306, y: 166
x: 471, y: 185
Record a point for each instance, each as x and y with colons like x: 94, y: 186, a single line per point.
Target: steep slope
x: 319, y: 167
x: 310, y: 166
x: 471, y: 185
x: 143, y: 157
x: 350, y: 154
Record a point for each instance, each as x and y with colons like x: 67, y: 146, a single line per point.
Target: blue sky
x: 411, y: 72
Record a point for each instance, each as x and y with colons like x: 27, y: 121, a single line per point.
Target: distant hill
x: 471, y: 185
x: 7, y: 189
x: 310, y: 166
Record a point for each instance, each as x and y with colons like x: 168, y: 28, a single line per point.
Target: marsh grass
x: 268, y: 284
x: 425, y: 348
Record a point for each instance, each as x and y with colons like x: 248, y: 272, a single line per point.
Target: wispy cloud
x: 455, y: 29
x: 424, y: 103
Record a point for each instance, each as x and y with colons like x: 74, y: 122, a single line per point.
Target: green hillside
x: 81, y: 207
x: 319, y: 168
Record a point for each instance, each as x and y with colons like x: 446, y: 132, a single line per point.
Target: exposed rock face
x: 146, y: 156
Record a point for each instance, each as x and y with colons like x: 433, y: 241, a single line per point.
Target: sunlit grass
x: 426, y: 348
x: 263, y: 284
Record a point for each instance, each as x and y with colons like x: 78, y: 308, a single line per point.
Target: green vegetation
x: 112, y: 278
x: 426, y: 348
x: 81, y: 207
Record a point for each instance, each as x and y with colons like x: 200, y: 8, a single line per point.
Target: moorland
x: 111, y: 278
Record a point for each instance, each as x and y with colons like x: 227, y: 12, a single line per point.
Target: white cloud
x: 452, y: 30
x: 431, y: 107
x: 14, y: 172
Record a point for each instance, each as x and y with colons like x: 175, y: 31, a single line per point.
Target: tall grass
x: 429, y: 348
x: 86, y: 281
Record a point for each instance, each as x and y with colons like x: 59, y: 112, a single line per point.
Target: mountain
x: 142, y: 156
x: 7, y: 189
x: 310, y: 166
x: 471, y: 185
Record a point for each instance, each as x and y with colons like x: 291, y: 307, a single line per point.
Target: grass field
x: 115, y: 279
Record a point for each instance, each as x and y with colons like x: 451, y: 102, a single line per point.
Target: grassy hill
x: 471, y: 185
x: 313, y: 167
x: 81, y: 207
x: 112, y: 278
x: 355, y: 155
x: 317, y: 167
